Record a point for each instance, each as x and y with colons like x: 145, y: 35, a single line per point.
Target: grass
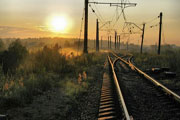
x: 44, y: 70
x: 168, y: 58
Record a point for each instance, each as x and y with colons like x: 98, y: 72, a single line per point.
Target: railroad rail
x: 119, y: 93
x: 155, y: 82
x: 106, y: 94
x: 162, y: 100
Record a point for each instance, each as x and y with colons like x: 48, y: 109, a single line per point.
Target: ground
x: 55, y: 104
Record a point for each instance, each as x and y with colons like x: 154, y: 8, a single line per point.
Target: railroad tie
x: 107, y: 105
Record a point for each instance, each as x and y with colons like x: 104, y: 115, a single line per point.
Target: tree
x: 1, y: 45
x: 14, y: 56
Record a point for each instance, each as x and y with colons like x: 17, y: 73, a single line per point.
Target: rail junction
x: 129, y: 93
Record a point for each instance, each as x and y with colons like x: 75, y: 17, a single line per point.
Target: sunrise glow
x: 58, y: 24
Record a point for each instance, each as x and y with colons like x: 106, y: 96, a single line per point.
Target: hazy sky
x: 29, y: 18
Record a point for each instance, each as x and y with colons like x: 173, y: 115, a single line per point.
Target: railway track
x: 137, y: 95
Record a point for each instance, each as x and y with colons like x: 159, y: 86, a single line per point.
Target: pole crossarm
x: 123, y: 5
x: 129, y: 33
x: 105, y: 24
x: 107, y: 29
x: 111, y: 4
x: 134, y: 25
x: 126, y: 5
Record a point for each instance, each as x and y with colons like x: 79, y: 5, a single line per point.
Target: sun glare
x: 58, y: 24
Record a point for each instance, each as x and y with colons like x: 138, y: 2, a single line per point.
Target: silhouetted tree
x: 12, y: 57
x: 1, y: 45
x: 1, y: 50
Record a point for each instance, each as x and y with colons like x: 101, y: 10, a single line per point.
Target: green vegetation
x: 24, y: 75
x: 12, y: 57
x: 1, y: 45
x: 168, y: 58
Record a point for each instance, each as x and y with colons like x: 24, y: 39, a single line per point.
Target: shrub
x: 168, y: 58
x: 1, y: 45
x: 22, y: 90
x: 13, y: 57
x: 38, y: 72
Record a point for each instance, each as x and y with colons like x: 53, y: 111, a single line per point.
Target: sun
x: 58, y: 24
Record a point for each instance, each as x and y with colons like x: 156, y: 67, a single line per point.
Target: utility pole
x: 110, y: 42
x: 127, y: 45
x: 119, y: 42
x: 115, y: 40
x: 142, y: 37
x: 160, y: 30
x: 143, y: 30
x: 101, y: 41
x: 124, y: 5
x: 97, y: 36
x: 86, y: 28
x: 94, y: 43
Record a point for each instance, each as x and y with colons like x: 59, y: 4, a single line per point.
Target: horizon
x: 82, y: 40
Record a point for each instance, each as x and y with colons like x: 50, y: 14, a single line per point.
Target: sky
x: 33, y: 18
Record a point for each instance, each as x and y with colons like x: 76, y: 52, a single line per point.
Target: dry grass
x: 43, y: 70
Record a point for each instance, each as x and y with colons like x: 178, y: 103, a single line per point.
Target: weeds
x: 168, y: 58
x: 44, y: 70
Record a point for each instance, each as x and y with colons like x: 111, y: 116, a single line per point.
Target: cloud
x: 37, y: 31
x: 11, y: 31
x: 42, y: 28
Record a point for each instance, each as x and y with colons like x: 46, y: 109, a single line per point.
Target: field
x: 48, y: 76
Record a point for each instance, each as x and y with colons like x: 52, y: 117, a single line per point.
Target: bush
x: 1, y: 45
x: 51, y: 60
x: 13, y: 57
x: 38, y: 72
x: 22, y: 90
x: 168, y: 58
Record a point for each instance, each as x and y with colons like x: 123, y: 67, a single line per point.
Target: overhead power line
x: 123, y: 5
x: 98, y: 12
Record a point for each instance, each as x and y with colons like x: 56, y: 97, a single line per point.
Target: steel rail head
x: 115, y: 61
x: 175, y: 96
x: 120, y: 95
x: 120, y: 58
x: 164, y: 88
